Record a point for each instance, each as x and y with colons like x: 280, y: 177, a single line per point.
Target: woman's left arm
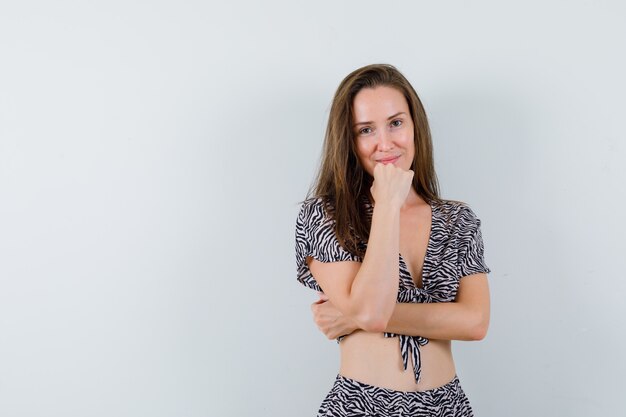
x: 467, y: 318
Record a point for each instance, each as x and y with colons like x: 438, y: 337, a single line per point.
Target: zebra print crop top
x: 455, y: 249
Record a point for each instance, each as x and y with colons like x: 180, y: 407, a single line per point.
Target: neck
x: 412, y: 200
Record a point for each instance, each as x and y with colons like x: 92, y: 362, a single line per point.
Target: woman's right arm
x: 366, y: 292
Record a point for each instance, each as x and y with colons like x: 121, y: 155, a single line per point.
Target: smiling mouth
x: 388, y: 160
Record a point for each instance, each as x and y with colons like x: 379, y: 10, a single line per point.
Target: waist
x: 376, y: 360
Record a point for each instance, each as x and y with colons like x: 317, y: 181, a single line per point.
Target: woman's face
x: 383, y: 128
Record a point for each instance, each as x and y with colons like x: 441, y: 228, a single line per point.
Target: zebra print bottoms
x: 350, y: 398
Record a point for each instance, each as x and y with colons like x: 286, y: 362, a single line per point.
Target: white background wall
x: 152, y: 155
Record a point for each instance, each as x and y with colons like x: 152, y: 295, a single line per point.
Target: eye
x: 396, y: 123
x: 365, y: 131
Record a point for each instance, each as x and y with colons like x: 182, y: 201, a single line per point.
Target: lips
x: 388, y: 160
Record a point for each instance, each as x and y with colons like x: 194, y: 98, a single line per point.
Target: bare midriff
x: 376, y: 360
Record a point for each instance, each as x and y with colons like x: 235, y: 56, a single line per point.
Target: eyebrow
x: 389, y: 118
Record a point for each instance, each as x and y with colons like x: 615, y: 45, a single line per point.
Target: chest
x: 414, y: 241
x: 428, y: 258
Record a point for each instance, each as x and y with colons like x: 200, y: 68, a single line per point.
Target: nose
x: 384, y: 143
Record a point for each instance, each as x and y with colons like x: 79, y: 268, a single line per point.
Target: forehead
x: 379, y: 102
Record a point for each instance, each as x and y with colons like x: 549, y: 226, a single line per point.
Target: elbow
x: 478, y: 333
x: 375, y: 326
x: 372, y: 322
x: 372, y: 314
x: 478, y: 328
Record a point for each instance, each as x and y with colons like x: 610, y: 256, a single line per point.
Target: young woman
x: 400, y: 271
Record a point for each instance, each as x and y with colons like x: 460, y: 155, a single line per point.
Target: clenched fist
x: 330, y: 320
x: 391, y: 184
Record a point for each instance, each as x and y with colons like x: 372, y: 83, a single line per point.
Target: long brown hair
x: 342, y: 182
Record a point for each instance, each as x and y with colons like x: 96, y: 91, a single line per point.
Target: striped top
x: 455, y: 249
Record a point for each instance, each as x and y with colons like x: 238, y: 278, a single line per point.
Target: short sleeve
x: 471, y: 248
x: 315, y: 237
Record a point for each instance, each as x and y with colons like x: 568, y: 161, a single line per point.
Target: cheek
x: 362, y: 150
x: 409, y: 143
